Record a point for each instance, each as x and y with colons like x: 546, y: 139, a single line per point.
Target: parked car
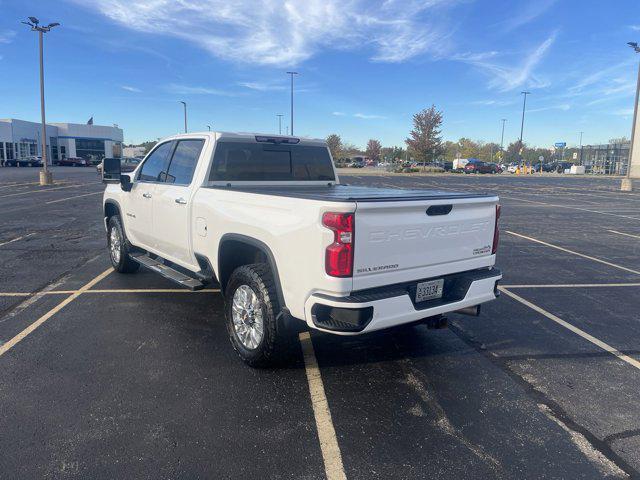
x: 32, y: 161
x: 127, y: 164
x: 481, y: 167
x: 512, y: 168
x: 286, y: 242
x: 74, y: 162
x: 559, y: 167
x: 356, y: 164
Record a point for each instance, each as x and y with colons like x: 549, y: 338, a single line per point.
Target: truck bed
x: 352, y: 193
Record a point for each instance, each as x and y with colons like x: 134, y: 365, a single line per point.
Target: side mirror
x: 125, y: 183
x: 111, y: 170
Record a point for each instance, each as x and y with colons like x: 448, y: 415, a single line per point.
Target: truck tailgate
x: 410, y: 240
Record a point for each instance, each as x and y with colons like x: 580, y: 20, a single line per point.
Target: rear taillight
x: 496, y: 232
x: 339, y: 255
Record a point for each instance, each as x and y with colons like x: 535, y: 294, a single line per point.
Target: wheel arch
x: 111, y: 208
x: 235, y: 250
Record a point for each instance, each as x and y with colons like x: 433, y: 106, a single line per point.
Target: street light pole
x: 627, y: 183
x: 46, y: 177
x: 209, y: 127
x: 292, y: 74
x: 524, y: 106
x: 504, y: 120
x: 279, y: 115
x: 184, y: 104
x: 581, y: 147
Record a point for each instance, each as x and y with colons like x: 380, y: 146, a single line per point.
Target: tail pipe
x: 472, y: 311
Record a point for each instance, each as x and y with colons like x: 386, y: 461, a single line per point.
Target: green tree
x: 349, y: 150
x: 450, y: 150
x: 511, y: 154
x: 425, y: 140
x: 468, y: 148
x: 373, y: 150
x: 334, y: 142
x: 488, y: 151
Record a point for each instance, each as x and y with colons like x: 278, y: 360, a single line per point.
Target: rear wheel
x: 119, y: 247
x: 252, y: 315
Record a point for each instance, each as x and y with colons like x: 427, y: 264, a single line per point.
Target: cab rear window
x: 246, y: 161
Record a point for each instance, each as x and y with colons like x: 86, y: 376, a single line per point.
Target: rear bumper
x: 385, y: 307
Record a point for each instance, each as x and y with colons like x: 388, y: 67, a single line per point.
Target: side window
x: 183, y: 163
x: 156, y: 164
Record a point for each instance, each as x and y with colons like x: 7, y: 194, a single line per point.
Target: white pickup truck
x: 267, y: 219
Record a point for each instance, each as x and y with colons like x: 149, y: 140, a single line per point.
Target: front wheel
x: 119, y: 247
x: 252, y: 315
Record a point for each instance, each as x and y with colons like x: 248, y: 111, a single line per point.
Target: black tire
x: 119, y: 253
x: 272, y: 347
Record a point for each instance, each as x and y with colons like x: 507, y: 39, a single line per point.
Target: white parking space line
x: 111, y: 290
x: 5, y: 347
x: 9, y: 185
x: 576, y: 285
x: 574, y: 253
x: 16, y: 239
x: 43, y: 190
x: 75, y: 196
x: 570, y: 208
x: 625, y: 234
x: 625, y: 358
x: 331, y: 455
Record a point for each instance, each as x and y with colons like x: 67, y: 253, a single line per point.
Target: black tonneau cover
x: 352, y: 193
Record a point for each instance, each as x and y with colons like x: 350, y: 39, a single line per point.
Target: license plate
x: 429, y: 290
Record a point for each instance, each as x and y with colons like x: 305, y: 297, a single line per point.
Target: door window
x: 184, y: 162
x: 156, y: 164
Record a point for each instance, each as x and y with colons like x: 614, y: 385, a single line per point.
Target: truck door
x: 171, y: 212
x: 138, y: 215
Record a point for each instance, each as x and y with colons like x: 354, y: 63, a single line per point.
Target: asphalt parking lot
x: 127, y: 376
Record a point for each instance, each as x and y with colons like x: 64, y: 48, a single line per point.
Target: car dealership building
x: 20, y: 139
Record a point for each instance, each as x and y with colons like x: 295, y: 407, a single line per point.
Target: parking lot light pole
x: 292, y: 74
x: 504, y: 120
x: 627, y: 183
x: 279, y: 115
x: 581, y: 147
x: 46, y: 177
x: 184, y: 104
x: 524, y: 106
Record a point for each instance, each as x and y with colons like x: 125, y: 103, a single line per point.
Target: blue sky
x: 365, y: 66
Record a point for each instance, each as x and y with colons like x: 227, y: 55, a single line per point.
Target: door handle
x: 181, y: 201
x: 146, y: 195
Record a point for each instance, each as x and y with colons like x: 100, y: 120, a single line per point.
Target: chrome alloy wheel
x: 115, y: 243
x: 247, y: 317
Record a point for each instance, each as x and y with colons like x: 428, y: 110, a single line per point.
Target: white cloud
x: 368, y: 117
x: 608, y: 84
x: 338, y: 114
x: 601, y: 74
x: 496, y: 103
x: 563, y: 106
x: 508, y: 77
x: 130, y: 89
x: 7, y: 36
x: 261, y: 86
x: 195, y: 90
x: 272, y: 32
x: 623, y: 112
x: 635, y: 28
x: 522, y: 16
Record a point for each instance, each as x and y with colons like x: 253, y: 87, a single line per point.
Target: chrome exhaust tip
x: 471, y: 311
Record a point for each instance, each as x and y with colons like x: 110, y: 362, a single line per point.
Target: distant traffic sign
x: 560, y: 144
